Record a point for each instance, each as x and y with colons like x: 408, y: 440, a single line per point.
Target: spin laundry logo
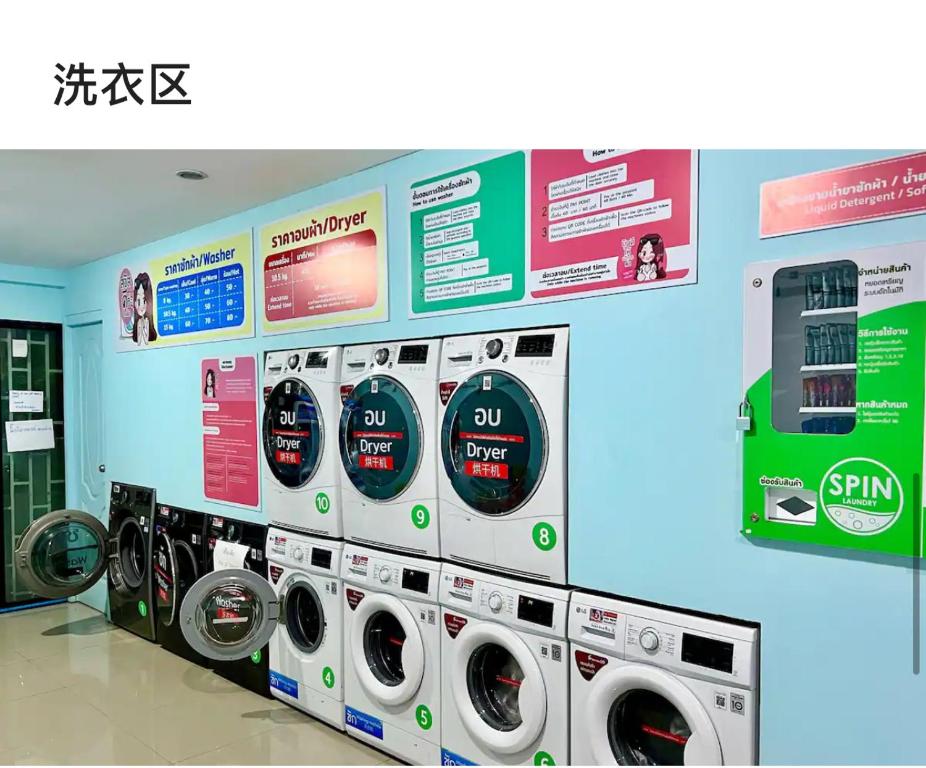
x: 861, y: 496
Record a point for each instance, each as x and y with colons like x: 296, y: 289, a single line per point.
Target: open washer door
x: 498, y: 688
x: 62, y: 553
x: 229, y: 614
x: 175, y: 571
x: 386, y: 649
x: 641, y: 715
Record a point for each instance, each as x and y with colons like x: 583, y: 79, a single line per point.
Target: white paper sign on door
x: 30, y: 435
x: 26, y: 401
x: 20, y: 348
x: 228, y: 554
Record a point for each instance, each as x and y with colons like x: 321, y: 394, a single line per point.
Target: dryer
x: 306, y: 650
x: 652, y: 686
x: 179, y: 562
x: 503, y: 419
x: 387, y: 444
x: 66, y: 551
x: 299, y: 466
x: 504, y: 670
x: 392, y: 648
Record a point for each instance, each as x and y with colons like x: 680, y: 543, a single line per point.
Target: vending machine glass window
x: 814, y: 331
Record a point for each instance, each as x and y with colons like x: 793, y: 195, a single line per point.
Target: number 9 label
x: 421, y: 517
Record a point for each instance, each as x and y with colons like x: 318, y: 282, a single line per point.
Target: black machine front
x: 131, y: 528
x: 252, y: 672
x: 179, y: 560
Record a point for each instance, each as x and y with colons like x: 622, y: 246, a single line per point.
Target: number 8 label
x: 544, y: 536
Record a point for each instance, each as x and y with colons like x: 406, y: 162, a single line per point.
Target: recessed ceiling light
x: 191, y: 174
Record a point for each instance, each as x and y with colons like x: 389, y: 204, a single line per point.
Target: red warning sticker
x: 446, y: 390
x: 588, y: 664
x: 275, y: 573
x: 346, y: 389
x: 353, y: 598
x: 454, y: 624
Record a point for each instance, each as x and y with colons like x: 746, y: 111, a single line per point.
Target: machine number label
x: 424, y: 718
x: 322, y: 503
x: 544, y: 758
x: 328, y: 677
x: 544, y: 536
x: 421, y: 517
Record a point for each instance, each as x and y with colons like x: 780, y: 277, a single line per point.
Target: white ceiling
x: 62, y: 208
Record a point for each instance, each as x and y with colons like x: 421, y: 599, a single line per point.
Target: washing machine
x: 179, y: 562
x: 64, y: 552
x: 651, y: 686
x: 388, y: 455
x: 392, y: 652
x: 299, y: 469
x: 504, y: 670
x: 306, y: 650
x: 503, y: 417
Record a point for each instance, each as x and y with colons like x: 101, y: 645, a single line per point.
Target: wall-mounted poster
x: 610, y: 220
x: 467, y: 235
x: 326, y: 267
x: 196, y: 295
x: 228, y: 390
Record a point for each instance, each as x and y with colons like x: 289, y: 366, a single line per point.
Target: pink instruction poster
x: 611, y: 220
x: 229, y: 404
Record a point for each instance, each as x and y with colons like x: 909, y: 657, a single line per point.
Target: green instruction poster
x: 468, y: 237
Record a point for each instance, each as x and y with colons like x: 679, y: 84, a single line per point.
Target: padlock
x: 744, y: 417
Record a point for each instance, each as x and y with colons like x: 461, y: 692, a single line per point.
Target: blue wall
x: 654, y: 487
x: 32, y: 293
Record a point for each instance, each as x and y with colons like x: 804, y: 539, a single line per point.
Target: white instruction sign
x: 228, y: 555
x: 26, y: 401
x: 30, y: 435
x: 20, y: 348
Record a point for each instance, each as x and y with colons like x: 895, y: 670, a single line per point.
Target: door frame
x: 30, y: 325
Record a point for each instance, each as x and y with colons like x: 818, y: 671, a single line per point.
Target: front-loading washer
x: 502, y: 481
x: 306, y: 650
x: 387, y: 444
x: 392, y: 649
x: 299, y: 431
x: 504, y: 670
x: 652, y: 686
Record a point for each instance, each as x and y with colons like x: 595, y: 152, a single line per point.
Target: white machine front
x: 301, y: 488
x: 504, y: 670
x: 502, y: 481
x: 651, y: 686
x: 388, y: 456
x: 306, y: 650
x: 392, y: 643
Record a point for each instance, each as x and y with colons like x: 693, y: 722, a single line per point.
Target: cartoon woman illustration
x: 651, y: 258
x: 209, y: 389
x: 143, y: 330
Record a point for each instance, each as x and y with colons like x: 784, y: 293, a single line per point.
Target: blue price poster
x: 200, y: 294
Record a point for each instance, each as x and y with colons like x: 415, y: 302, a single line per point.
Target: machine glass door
x: 62, y: 553
x: 303, y: 615
x: 494, y: 443
x: 293, y: 433
x: 380, y: 438
x: 642, y: 715
x: 175, y: 571
x: 386, y: 649
x: 128, y: 565
x: 498, y: 688
x: 229, y: 614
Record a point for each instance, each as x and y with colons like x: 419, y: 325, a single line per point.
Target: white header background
x: 427, y: 74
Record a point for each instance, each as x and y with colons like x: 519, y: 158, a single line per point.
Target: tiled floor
x: 77, y: 690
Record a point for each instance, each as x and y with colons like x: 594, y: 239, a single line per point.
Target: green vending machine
x: 833, y: 375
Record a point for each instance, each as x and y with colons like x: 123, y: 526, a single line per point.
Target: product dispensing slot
x: 814, y: 332
x: 357, y: 365
x: 467, y: 358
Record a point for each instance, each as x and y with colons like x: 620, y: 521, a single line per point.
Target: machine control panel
x: 299, y: 552
x: 402, y: 576
x: 651, y: 639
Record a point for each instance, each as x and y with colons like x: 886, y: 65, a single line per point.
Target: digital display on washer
x: 535, y: 346
x: 321, y: 558
x: 417, y: 353
x: 416, y: 581
x: 707, y: 652
x: 535, y: 611
x: 316, y: 360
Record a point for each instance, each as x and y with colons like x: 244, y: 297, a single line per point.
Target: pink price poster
x: 229, y: 404
x: 612, y: 220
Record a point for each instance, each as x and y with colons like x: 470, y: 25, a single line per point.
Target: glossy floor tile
x: 76, y: 690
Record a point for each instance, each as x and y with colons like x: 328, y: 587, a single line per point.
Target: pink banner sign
x: 884, y: 189
x: 611, y: 220
x: 229, y: 405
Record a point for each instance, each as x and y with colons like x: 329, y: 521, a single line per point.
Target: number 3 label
x: 544, y: 536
